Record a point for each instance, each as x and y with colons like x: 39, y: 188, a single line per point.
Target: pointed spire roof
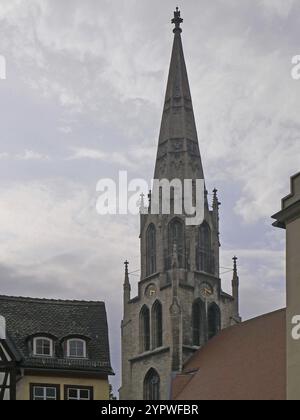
x: 178, y: 153
x: 235, y: 278
x: 126, y: 279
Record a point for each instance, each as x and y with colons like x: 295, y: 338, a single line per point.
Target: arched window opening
x: 198, y: 319
x: 151, y: 250
x: 205, y: 259
x: 76, y: 348
x: 176, y: 237
x: 43, y: 346
x: 214, y: 320
x: 152, y: 386
x: 145, y: 329
x: 157, y: 328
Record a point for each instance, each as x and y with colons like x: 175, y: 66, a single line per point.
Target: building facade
x: 180, y: 303
x: 54, y: 350
x: 258, y: 359
x: 9, y: 358
x: 289, y: 218
x: 245, y: 362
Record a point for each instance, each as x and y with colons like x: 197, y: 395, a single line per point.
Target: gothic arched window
x: 152, y: 386
x: 214, y: 320
x: 145, y: 329
x: 205, y: 261
x: 198, y: 318
x: 176, y: 237
x: 157, y: 328
x: 151, y: 250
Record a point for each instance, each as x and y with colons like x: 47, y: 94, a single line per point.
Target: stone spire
x: 126, y: 285
x: 215, y: 204
x: 178, y: 154
x: 235, y: 286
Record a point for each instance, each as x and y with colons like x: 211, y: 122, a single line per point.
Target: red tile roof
x: 244, y: 362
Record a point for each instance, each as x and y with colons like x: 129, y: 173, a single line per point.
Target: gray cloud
x: 83, y: 99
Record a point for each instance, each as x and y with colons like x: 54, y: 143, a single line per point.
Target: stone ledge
x: 150, y: 353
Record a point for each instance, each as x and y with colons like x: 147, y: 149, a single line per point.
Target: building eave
x: 287, y: 215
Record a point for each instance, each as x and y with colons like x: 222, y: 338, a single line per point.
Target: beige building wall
x: 289, y: 219
x: 100, y: 386
x: 293, y: 309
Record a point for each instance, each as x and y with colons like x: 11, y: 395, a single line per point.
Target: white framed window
x: 43, y: 346
x: 76, y: 348
x: 78, y: 394
x: 44, y: 393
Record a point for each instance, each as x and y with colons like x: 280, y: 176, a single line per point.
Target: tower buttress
x: 176, y: 316
x: 235, y: 288
x: 126, y: 288
x: 216, y: 220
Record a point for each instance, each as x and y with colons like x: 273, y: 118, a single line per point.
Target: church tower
x: 180, y: 303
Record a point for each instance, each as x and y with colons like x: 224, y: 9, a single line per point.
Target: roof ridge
x: 51, y: 301
x: 257, y: 317
x: 226, y: 330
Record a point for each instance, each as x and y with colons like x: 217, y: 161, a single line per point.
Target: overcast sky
x: 83, y: 99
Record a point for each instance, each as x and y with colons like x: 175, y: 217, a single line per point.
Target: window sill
x: 206, y: 274
x: 76, y: 358
x: 42, y: 356
x: 150, y: 276
x: 150, y: 353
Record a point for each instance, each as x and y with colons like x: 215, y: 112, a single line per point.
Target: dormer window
x: 43, y: 346
x: 76, y: 348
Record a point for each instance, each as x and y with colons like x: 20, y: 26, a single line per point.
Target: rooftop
x: 244, y: 362
x: 26, y: 317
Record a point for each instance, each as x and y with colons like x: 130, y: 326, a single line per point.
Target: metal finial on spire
x: 126, y: 286
x: 149, y: 198
x: 215, y: 197
x: 216, y: 203
x: 143, y: 208
x: 177, y: 21
x: 126, y: 281
x: 235, y: 264
x: 126, y: 263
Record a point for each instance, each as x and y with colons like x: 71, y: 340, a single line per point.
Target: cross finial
x: 216, y: 202
x: 143, y: 209
x: 142, y: 202
x: 126, y: 263
x: 177, y: 21
x: 235, y: 264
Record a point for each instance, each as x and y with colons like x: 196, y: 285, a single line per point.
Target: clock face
x: 206, y: 290
x: 151, y: 291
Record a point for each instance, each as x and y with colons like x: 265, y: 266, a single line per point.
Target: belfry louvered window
x: 214, y: 320
x: 204, y: 252
x: 151, y: 250
x: 157, y: 332
x: 198, y: 322
x: 145, y: 329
